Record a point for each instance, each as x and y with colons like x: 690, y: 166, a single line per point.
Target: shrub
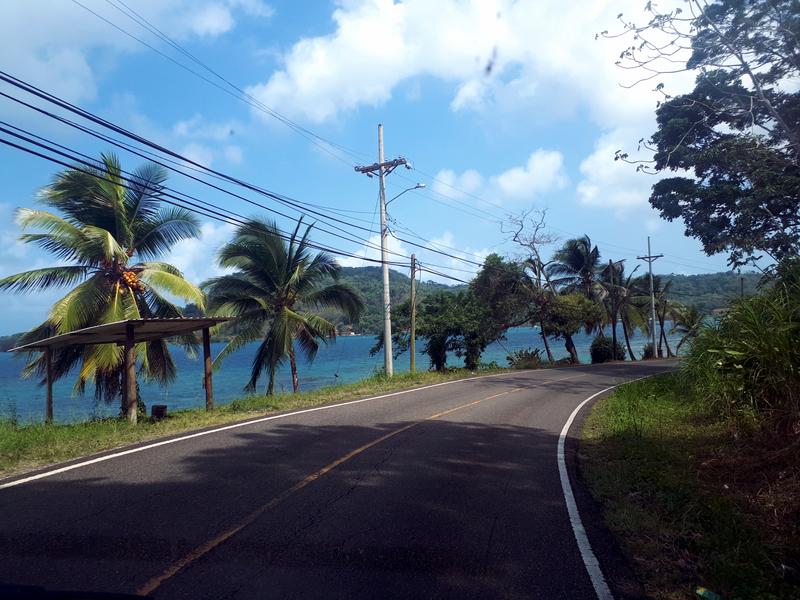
x: 530, y: 358
x: 648, y: 352
x: 602, y: 350
x: 749, y: 361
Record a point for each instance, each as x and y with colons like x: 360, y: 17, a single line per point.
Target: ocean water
x: 345, y: 361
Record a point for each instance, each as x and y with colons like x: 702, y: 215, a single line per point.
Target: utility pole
x: 613, y: 310
x: 650, y: 258
x: 383, y: 168
x: 741, y: 285
x: 412, y: 346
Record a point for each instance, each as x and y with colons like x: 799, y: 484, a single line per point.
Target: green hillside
x: 710, y: 291
x: 369, y: 283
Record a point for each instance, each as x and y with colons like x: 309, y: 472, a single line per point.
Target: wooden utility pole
x: 48, y: 357
x: 129, y: 396
x: 650, y: 258
x: 412, y: 346
x: 383, y: 168
x: 207, y: 383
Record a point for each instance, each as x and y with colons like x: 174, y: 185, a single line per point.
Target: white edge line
x: 106, y: 457
x: 590, y: 561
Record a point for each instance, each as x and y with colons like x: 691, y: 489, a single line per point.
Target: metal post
x: 129, y: 387
x: 207, y: 382
x: 413, y: 338
x: 652, y: 298
x: 387, y: 310
x: 48, y: 416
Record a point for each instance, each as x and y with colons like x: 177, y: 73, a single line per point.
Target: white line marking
x: 106, y: 457
x: 587, y: 554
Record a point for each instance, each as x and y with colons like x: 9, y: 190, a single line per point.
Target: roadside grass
x: 695, y: 500
x: 28, y: 446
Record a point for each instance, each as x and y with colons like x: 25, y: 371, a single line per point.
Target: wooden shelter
x: 128, y: 333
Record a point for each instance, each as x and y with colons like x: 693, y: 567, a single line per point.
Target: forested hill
x: 712, y: 290
x: 369, y: 283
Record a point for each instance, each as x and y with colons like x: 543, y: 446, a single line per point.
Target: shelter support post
x: 207, y: 382
x: 48, y: 357
x: 129, y: 384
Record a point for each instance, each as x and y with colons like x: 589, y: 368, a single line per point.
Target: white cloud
x: 50, y: 47
x: 496, y: 53
x: 198, y: 153
x: 543, y: 172
x: 211, y: 20
x: 607, y: 183
x: 450, y: 184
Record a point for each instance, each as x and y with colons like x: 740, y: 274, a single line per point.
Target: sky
x: 499, y: 107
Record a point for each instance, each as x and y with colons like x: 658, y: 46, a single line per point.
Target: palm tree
x: 104, y: 225
x: 632, y: 304
x: 619, y: 301
x: 274, y: 285
x: 575, y: 268
x: 663, y: 312
x: 687, y: 320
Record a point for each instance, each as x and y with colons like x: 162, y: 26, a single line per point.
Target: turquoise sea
x: 345, y: 361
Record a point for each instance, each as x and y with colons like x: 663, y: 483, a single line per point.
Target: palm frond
x: 42, y: 279
x: 172, y: 284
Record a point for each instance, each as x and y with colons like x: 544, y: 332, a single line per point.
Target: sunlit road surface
x: 450, y: 491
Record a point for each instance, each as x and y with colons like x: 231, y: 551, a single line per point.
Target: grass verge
x: 25, y: 447
x: 693, y: 499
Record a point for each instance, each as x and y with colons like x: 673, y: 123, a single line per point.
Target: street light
x: 419, y: 186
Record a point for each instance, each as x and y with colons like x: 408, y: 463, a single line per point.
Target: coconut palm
x: 107, y: 227
x: 274, y: 286
x: 620, y: 301
x: 687, y: 321
x: 575, y: 268
x: 634, y: 300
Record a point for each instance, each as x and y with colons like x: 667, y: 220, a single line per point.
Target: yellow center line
x: 154, y: 583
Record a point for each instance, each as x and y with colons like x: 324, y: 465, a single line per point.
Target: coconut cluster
x: 132, y: 281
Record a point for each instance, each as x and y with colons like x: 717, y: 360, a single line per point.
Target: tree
x: 529, y: 230
x: 106, y: 225
x: 687, y: 321
x: 736, y: 136
x: 566, y: 315
x: 275, y: 285
x: 632, y: 305
x: 575, y: 268
x: 447, y: 322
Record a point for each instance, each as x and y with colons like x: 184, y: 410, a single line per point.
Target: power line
x: 186, y: 202
x: 242, y: 96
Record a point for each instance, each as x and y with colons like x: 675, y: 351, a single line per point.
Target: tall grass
x: 748, y: 363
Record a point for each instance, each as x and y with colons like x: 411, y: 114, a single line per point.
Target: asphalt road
x: 446, y: 492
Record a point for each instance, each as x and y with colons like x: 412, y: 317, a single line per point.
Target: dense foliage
x: 734, y: 140
x: 602, y: 350
x: 748, y: 362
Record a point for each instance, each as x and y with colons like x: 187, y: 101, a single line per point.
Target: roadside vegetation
x: 699, y: 471
x: 25, y: 447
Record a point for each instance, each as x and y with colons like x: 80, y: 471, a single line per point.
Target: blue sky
x: 537, y: 131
